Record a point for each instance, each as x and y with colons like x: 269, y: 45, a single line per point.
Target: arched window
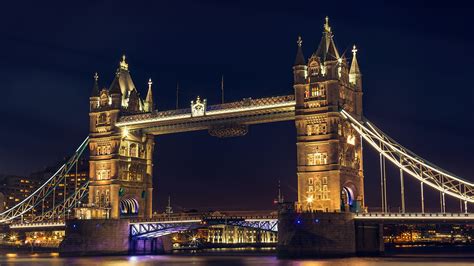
x: 133, y: 150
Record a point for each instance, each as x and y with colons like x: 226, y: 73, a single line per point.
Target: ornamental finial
x: 123, y: 63
x: 96, y: 76
x: 354, y: 50
x: 149, y: 83
x: 326, y: 25
x: 300, y: 41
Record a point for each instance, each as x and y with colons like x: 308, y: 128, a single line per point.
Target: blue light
x: 316, y: 221
x: 298, y: 221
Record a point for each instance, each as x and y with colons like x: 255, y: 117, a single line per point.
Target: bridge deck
x: 414, y: 217
x: 245, y: 112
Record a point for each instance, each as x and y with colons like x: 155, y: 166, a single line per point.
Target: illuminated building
x: 15, y: 189
x: 329, y: 151
x: 120, y: 160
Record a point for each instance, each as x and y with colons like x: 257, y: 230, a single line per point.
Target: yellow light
x: 194, y: 238
x: 125, y: 132
x: 309, y: 199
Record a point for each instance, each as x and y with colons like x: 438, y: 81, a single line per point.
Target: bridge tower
x: 329, y: 152
x: 120, y: 160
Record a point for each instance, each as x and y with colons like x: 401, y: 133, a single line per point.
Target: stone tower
x: 120, y: 160
x: 329, y: 151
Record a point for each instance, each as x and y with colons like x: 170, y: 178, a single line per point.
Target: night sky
x: 416, y: 62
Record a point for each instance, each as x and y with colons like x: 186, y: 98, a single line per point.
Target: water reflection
x: 53, y: 259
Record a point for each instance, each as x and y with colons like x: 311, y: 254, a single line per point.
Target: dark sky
x: 416, y: 60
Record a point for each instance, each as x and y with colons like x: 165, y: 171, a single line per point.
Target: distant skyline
x: 415, y: 61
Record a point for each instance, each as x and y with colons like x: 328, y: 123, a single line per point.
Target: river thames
x: 205, y: 260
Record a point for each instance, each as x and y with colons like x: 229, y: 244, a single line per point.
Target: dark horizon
x: 415, y: 64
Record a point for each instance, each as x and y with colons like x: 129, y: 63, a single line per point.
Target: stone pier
x: 321, y: 234
x: 96, y: 237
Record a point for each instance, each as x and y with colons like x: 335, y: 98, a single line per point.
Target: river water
x: 253, y: 260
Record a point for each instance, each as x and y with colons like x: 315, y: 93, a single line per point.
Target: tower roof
x: 299, y: 60
x: 149, y: 95
x: 327, y: 50
x: 125, y: 80
x: 354, y: 64
x: 122, y: 82
x: 115, y: 86
x: 95, y: 88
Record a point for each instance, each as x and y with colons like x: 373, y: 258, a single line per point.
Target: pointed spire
x: 149, y: 98
x: 95, y: 89
x: 299, y: 60
x: 327, y: 50
x: 354, y: 65
x: 354, y: 72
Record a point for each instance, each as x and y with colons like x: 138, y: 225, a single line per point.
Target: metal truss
x: 266, y: 225
x: 157, y: 229
x: 419, y: 168
x: 44, y: 190
x: 160, y: 228
x: 60, y: 211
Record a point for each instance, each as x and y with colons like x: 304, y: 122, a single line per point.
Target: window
x: 322, y: 129
x: 317, y: 158
x: 318, y: 185
x: 325, y: 195
x: 318, y: 91
x: 310, y: 180
x: 310, y: 189
x: 325, y: 180
x: 309, y: 130
x: 325, y: 187
x: 133, y: 150
x: 102, y: 119
x: 103, y: 174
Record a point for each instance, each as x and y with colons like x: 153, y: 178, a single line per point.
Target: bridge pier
x: 145, y: 246
x: 96, y: 237
x: 322, y: 234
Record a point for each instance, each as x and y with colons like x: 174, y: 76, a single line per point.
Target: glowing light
x: 11, y: 255
x: 310, y: 199
x: 125, y: 132
x: 351, y: 139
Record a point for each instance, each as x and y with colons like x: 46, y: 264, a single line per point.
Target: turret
x: 299, y: 68
x: 149, y: 106
x: 300, y: 72
x: 94, y: 98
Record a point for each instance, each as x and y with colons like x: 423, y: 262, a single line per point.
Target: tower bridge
x: 327, y: 109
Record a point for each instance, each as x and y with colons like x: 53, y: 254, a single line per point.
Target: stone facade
x: 96, y: 237
x: 316, y: 235
x: 329, y: 151
x: 120, y: 161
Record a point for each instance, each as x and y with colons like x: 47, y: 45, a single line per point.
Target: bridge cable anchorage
x: 427, y: 173
x: 46, y: 189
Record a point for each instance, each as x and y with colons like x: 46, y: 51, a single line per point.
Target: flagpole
x: 222, y: 88
x: 177, y: 94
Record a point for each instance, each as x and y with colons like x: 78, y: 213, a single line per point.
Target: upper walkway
x: 245, y: 112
